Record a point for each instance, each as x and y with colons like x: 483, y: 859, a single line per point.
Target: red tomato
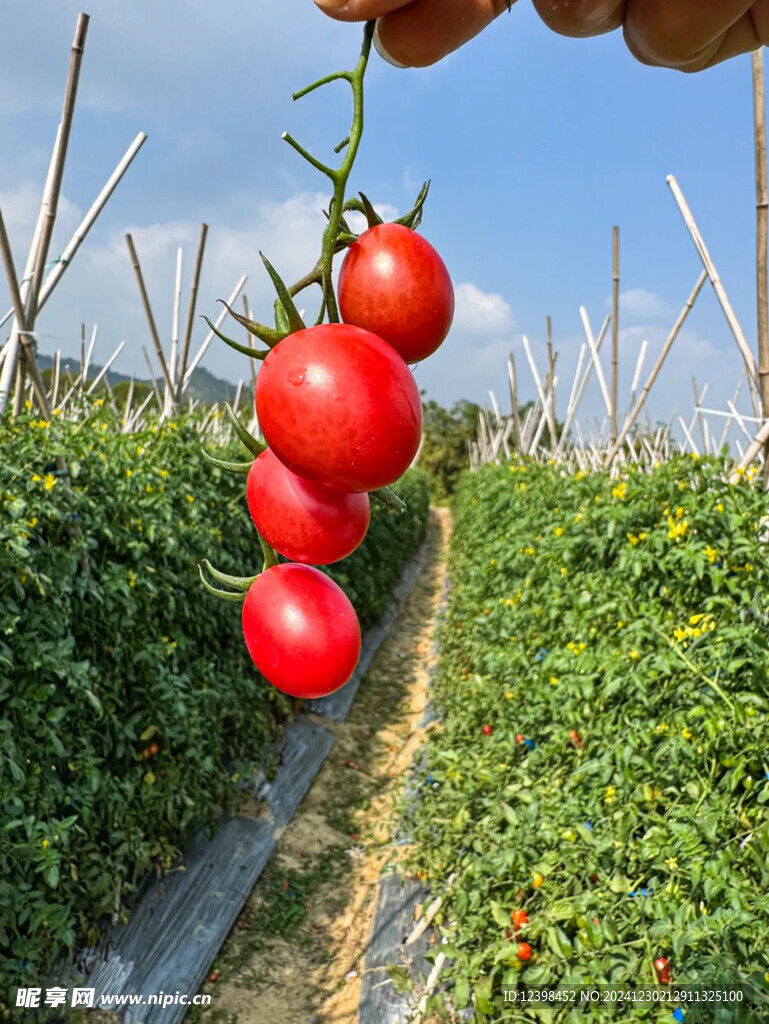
x: 524, y: 951
x: 393, y: 282
x: 213, y: 977
x: 301, y: 520
x: 153, y: 749
x: 519, y: 738
x: 661, y: 964
x: 664, y: 976
x: 338, y: 405
x: 301, y: 630
x: 487, y: 730
x: 574, y: 735
x: 519, y: 919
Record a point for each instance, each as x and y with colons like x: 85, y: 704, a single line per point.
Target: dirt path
x: 296, y: 953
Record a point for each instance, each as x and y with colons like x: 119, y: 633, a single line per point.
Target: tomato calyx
x: 239, y: 584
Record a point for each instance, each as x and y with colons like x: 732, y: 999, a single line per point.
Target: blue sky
x: 536, y: 145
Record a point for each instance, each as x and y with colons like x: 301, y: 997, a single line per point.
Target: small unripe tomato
x: 146, y: 753
x: 524, y: 951
x: 537, y: 880
x: 487, y: 730
x: 519, y: 919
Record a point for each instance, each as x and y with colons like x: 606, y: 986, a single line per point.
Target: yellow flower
x: 694, y: 619
x: 620, y: 624
x: 493, y: 561
x: 672, y: 863
x: 611, y: 792
x: 687, y: 734
x: 633, y: 539
x: 35, y: 479
x: 710, y: 554
x: 129, y: 472
x: 32, y: 523
x: 619, y: 492
x: 719, y: 507
x: 553, y: 681
x: 662, y: 727
x: 148, y: 489
x: 190, y: 499
x: 131, y: 578
x: 634, y: 655
x: 563, y: 570
x: 164, y: 472
x: 100, y: 401
x: 577, y: 517
x: 508, y: 695
x: 558, y: 531
x: 50, y: 482
x: 45, y: 844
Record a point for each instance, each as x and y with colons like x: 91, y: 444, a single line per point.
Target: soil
x: 296, y: 953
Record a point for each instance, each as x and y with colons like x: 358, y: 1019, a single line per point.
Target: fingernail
x: 330, y: 3
x: 381, y: 50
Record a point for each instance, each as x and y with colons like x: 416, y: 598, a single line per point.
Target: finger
x: 581, y: 17
x: 359, y: 10
x: 424, y: 31
x: 686, y: 35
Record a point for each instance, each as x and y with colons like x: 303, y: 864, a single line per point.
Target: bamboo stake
x: 596, y: 360
x: 154, y: 383
x: 514, y: 400
x: 572, y: 412
x: 729, y: 420
x: 715, y: 280
x: 698, y: 413
x: 187, y: 376
x: 55, y: 378
x: 173, y: 367
x: 150, y: 320
x: 551, y: 369
x: 762, y: 237
x: 755, y: 446
x: 89, y: 353
x: 105, y: 368
x: 614, y: 334
x: 657, y: 367
x: 249, y: 342
x: 80, y: 233
x: 191, y: 310
x: 21, y: 319
x: 128, y: 401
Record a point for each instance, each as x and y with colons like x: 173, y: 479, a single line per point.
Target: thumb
x: 424, y: 31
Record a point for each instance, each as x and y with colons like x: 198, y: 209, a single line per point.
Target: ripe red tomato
x: 660, y: 964
x: 213, y: 977
x: 153, y: 749
x: 524, y: 951
x: 301, y: 520
x: 338, y: 406
x: 519, y: 738
x: 393, y: 282
x: 301, y: 630
x: 487, y: 730
x: 519, y: 919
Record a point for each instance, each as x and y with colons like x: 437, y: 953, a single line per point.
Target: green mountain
x: 203, y: 386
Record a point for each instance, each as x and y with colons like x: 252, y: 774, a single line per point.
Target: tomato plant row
x: 601, y: 779
x: 129, y: 701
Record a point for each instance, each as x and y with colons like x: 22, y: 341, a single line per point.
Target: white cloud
x: 479, y: 312
x: 638, y: 304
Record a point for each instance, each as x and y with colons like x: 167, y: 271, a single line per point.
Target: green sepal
x: 292, y: 313
x: 372, y: 217
x: 268, y: 335
x: 281, y: 319
x: 241, y: 583
x: 413, y: 218
x: 386, y: 496
x: 229, y: 467
x: 225, y: 595
x: 255, y: 447
x: 270, y: 554
x: 245, y: 349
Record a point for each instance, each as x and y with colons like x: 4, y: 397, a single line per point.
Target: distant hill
x: 203, y: 386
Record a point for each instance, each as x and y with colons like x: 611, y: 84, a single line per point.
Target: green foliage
x: 97, y: 665
x: 633, y: 613
x: 444, y: 448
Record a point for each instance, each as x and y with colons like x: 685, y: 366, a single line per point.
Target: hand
x: 685, y: 34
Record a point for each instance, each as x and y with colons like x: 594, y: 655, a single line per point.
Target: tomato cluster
x: 341, y: 414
